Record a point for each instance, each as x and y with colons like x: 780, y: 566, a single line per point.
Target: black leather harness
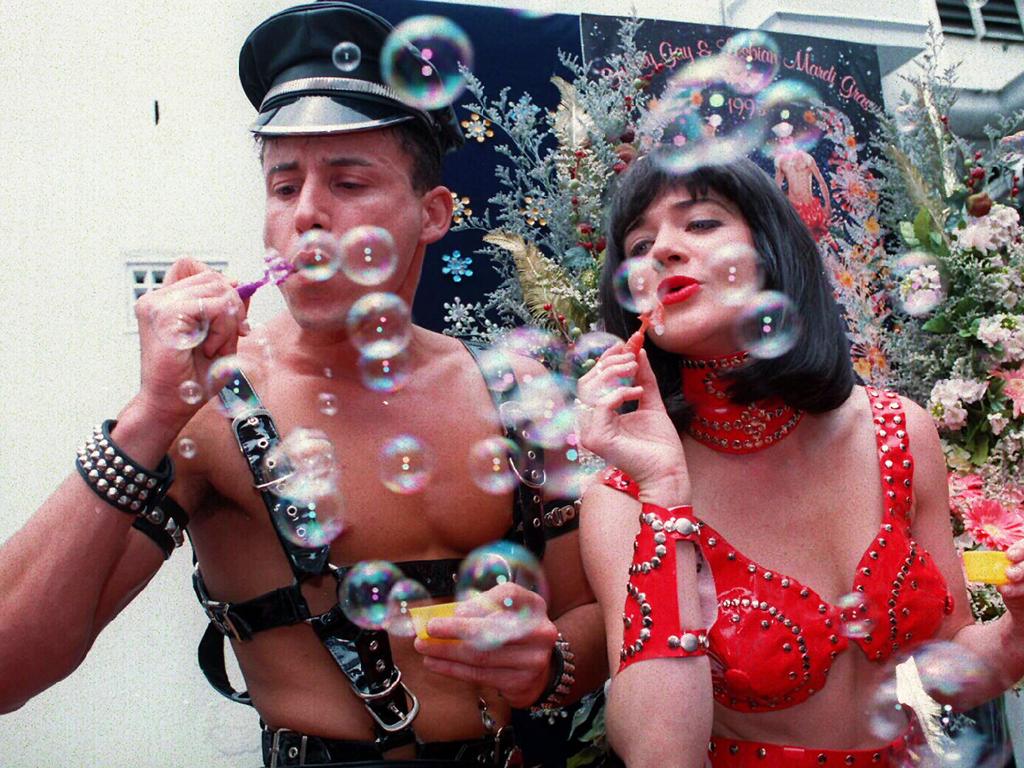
x: 363, y: 655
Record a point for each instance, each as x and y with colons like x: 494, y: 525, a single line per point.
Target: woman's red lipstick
x: 673, y: 290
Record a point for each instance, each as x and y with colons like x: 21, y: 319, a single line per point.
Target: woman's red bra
x: 774, y: 639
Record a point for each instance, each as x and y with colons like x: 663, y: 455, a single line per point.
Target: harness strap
x: 535, y: 520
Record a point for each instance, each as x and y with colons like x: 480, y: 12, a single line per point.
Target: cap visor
x: 319, y: 115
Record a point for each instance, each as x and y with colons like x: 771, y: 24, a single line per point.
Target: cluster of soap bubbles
x: 365, y: 254
x: 721, y: 108
x: 491, y: 589
x: 374, y: 594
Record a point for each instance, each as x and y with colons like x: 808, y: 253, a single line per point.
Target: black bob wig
x: 816, y: 375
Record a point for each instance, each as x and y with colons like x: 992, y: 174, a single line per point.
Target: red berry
x: 627, y: 136
x: 977, y: 173
x: 575, y: 200
x: 547, y: 307
x: 585, y: 229
x: 580, y: 154
x: 586, y: 245
x: 619, y: 167
x: 601, y: 243
x: 977, y: 155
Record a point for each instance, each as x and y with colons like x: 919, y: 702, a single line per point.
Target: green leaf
x: 938, y: 324
x: 923, y: 226
x: 907, y: 233
x: 980, y: 454
x: 966, y: 305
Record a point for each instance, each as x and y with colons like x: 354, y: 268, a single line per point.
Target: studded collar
x: 724, y: 425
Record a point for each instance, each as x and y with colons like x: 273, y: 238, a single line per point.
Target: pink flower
x: 1013, y: 388
x: 991, y: 524
x: 964, y: 490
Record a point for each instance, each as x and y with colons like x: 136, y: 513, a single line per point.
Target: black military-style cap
x: 288, y: 73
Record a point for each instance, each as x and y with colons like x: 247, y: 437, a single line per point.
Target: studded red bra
x: 774, y: 638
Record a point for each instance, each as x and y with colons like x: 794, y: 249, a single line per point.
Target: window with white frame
x: 143, y: 274
x: 1001, y: 20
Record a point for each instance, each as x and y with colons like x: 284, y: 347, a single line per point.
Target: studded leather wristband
x: 563, y: 677
x: 651, y: 625
x: 119, y: 480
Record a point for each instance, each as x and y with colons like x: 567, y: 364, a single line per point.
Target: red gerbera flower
x: 993, y: 525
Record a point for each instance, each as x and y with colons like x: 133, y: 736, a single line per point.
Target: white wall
x: 87, y: 176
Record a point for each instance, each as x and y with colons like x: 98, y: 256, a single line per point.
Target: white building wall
x: 87, y: 177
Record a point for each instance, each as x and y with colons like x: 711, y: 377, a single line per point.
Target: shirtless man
x: 794, y: 172
x: 338, y: 150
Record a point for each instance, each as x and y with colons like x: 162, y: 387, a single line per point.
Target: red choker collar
x: 724, y: 425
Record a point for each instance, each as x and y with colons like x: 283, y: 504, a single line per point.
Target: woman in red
x: 796, y: 486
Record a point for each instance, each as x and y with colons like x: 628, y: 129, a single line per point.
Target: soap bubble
x: 768, y: 325
x: 701, y: 118
x: 792, y: 109
x: 887, y: 716
x: 536, y: 343
x: 317, y: 256
x: 363, y: 593
x: 346, y: 56
x: 327, y: 403
x: 489, y: 464
x: 854, y: 615
x: 950, y: 671
x: 496, y: 370
x: 586, y: 351
x: 406, y: 594
x: 420, y: 60
x: 380, y: 325
x: 183, y: 330
x: 224, y: 381
x: 406, y: 465
x: 920, y: 285
x: 187, y: 448
x: 546, y: 403
x: 756, y: 57
x: 191, y: 392
x: 636, y: 284
x: 486, y: 585
x: 385, y: 373
x: 735, y: 271
x: 368, y: 255
x: 302, y: 466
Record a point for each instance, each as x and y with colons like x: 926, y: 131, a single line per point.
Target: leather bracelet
x: 119, y: 480
x: 562, y: 677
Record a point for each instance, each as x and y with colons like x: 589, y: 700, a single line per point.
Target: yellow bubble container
x: 986, y: 567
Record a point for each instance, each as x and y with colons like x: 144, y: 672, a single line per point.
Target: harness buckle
x: 216, y: 611
x: 404, y: 718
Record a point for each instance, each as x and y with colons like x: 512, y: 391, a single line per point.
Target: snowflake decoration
x: 460, y: 208
x: 534, y: 212
x: 457, y: 266
x: 478, y: 128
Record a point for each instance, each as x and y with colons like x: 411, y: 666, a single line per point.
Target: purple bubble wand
x: 276, y: 271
